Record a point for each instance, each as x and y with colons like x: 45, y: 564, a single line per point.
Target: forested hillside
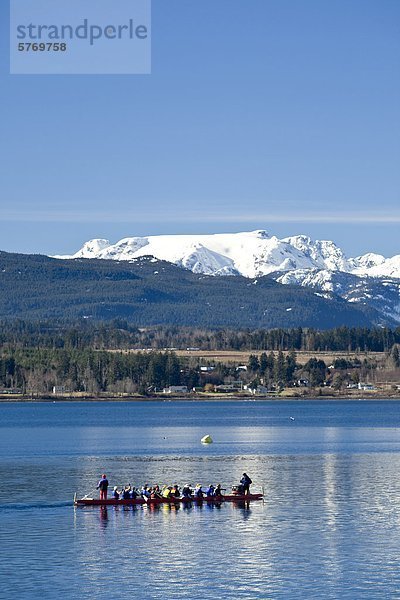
x: 149, y: 292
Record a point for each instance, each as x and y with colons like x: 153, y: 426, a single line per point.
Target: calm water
x: 330, y: 526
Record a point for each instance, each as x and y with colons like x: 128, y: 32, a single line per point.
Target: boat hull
x: 156, y: 501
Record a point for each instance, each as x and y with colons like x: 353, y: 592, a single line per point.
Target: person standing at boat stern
x: 103, y: 487
x: 246, y: 482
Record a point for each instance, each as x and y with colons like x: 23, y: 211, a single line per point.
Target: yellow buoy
x: 207, y: 439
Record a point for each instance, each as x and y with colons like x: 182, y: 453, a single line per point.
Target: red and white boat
x: 86, y: 501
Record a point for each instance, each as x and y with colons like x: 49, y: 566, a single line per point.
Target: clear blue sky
x: 281, y: 115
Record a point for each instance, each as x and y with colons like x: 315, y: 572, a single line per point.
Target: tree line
x: 119, y: 334
x: 39, y: 370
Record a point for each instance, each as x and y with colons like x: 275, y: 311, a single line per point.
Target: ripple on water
x: 330, y: 526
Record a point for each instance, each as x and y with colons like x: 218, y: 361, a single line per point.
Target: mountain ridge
x: 147, y: 291
x: 251, y: 254
x: 368, y: 280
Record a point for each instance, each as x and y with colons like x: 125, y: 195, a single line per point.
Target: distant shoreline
x: 7, y: 399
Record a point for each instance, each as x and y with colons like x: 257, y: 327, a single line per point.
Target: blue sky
x: 281, y: 115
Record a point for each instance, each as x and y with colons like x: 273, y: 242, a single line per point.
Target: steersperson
x: 84, y: 31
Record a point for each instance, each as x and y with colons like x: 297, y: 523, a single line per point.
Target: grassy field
x: 242, y: 357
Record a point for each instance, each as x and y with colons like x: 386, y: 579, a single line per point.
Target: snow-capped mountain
x: 251, y: 254
x: 324, y: 254
x: 380, y: 293
x: 371, y: 278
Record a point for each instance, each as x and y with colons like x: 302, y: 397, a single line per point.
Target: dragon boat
x: 139, y: 501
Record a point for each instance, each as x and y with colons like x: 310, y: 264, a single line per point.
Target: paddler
x: 176, y: 491
x: 144, y: 491
x: 198, y: 492
x: 134, y: 493
x: 187, y: 491
x: 167, y: 492
x: 156, y: 493
x: 218, y: 491
x: 210, y: 491
x: 126, y: 493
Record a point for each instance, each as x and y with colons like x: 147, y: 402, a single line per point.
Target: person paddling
x: 176, y: 492
x: 144, y: 492
x: 126, y: 492
x: 218, y: 491
x: 167, y: 492
x: 103, y: 487
x: 187, y: 491
x: 156, y: 492
x: 198, y: 492
x: 210, y: 491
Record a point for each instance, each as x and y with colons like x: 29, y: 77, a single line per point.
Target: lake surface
x: 329, y: 526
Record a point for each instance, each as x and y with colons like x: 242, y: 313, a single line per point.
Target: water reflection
x: 103, y: 516
x: 330, y: 526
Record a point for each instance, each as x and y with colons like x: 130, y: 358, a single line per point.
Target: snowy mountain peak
x: 324, y: 253
x: 367, y: 261
x: 251, y: 254
x: 297, y: 260
x: 92, y: 248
